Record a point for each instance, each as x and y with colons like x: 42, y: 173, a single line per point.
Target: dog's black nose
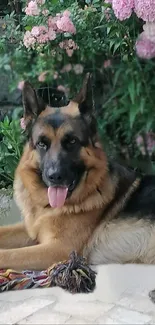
x: 55, y: 177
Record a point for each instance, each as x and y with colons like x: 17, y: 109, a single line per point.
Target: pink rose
x: 65, y: 24
x: 21, y: 84
x: 32, y: 9
x: 22, y: 123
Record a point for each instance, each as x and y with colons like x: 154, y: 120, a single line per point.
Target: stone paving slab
x: 121, y: 297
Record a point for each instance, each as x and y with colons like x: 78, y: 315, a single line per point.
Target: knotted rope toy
x: 73, y: 275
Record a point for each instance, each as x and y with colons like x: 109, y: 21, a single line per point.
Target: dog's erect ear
x: 85, y: 97
x: 33, y: 106
x: 86, y: 105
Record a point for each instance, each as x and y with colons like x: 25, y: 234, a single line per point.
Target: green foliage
x: 11, y: 145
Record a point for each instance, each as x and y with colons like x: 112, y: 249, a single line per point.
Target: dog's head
x: 65, y: 144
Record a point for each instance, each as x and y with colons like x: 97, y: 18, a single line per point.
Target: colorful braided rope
x: 73, y: 275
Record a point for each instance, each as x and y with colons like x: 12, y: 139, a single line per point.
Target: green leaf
x: 108, y: 30
x: 28, y: 28
x: 132, y: 114
x: 6, y: 122
x: 149, y: 125
x: 112, y: 42
x: 116, y: 76
x: 116, y: 46
x: 142, y: 105
x: 132, y: 89
x: 7, y: 67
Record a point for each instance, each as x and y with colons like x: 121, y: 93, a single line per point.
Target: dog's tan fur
x: 83, y: 224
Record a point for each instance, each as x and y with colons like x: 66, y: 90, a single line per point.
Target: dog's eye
x: 72, y: 141
x: 42, y: 145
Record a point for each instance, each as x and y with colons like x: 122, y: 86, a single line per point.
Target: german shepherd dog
x: 71, y: 197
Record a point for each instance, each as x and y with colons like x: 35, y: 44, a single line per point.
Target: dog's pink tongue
x: 57, y: 196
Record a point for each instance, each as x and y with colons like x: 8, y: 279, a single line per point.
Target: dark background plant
x: 11, y: 146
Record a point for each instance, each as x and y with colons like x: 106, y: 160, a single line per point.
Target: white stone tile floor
x: 120, y: 297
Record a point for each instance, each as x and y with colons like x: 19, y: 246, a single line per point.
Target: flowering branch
x: 145, y: 10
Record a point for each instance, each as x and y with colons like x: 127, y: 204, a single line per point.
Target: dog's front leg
x: 37, y: 257
x: 14, y: 236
